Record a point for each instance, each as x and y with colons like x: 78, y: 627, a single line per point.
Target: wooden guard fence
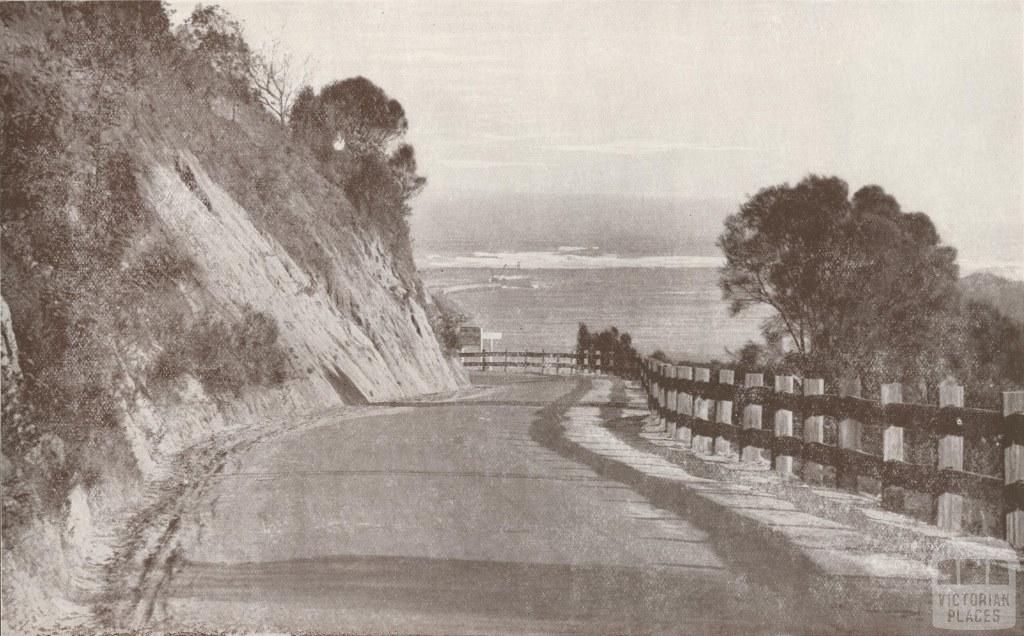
x: 545, y: 361
x: 922, y: 446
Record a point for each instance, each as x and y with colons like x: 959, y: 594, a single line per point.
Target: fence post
x: 893, y: 496
x: 1013, y: 460
x: 723, y: 414
x: 784, y: 425
x: 670, y: 402
x: 950, y: 509
x: 652, y: 386
x: 849, y: 434
x: 752, y: 419
x: 701, y: 443
x: 814, y: 432
x: 645, y: 377
x: 654, y: 381
x: 684, y: 406
x: 663, y: 395
x: 656, y: 388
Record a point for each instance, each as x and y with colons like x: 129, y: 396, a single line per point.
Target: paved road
x: 450, y: 519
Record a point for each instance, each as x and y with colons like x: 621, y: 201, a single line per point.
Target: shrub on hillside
x: 986, y: 353
x: 446, y: 317
x: 226, y: 357
x: 615, y: 347
x: 71, y: 213
x: 660, y: 356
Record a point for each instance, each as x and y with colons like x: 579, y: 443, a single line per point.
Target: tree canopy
x: 361, y: 114
x: 212, y: 32
x: 352, y: 114
x: 357, y: 131
x: 616, y: 345
x: 856, y: 284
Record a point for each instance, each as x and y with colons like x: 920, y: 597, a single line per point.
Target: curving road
x: 452, y: 518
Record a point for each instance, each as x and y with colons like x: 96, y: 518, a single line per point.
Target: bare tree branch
x: 277, y: 77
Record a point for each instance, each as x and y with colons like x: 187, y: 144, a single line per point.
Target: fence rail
x: 719, y: 416
x: 573, y: 362
x: 925, y: 460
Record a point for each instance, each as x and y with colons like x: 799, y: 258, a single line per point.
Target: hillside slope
x: 1005, y: 295
x: 174, y: 266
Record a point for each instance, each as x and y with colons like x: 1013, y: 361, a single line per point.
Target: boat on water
x: 509, y: 280
x: 516, y: 281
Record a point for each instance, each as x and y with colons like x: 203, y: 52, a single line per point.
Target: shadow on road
x: 797, y: 591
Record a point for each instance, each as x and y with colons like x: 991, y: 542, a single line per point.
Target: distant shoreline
x: 561, y: 259
x: 570, y: 260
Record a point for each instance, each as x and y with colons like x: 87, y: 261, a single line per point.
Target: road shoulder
x: 824, y: 564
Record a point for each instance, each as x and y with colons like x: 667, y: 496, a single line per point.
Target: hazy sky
x: 695, y: 100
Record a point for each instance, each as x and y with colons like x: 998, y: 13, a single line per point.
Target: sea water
x: 678, y: 309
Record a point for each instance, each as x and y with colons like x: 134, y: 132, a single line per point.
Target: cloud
x: 427, y: 56
x: 518, y: 137
x: 494, y: 139
x: 485, y: 163
x: 645, y: 146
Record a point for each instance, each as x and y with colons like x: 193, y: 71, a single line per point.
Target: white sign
x: 490, y: 337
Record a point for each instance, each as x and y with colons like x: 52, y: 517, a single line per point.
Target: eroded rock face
x: 385, y: 350
x: 10, y: 370
x: 9, y: 350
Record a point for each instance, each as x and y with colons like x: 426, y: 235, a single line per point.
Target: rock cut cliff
x: 175, y: 265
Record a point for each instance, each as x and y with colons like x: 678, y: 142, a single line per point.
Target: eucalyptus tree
x: 857, y: 284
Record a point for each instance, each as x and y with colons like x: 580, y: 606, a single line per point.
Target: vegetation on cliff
x: 352, y: 127
x: 355, y: 131
x: 107, y: 306
x: 78, y: 260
